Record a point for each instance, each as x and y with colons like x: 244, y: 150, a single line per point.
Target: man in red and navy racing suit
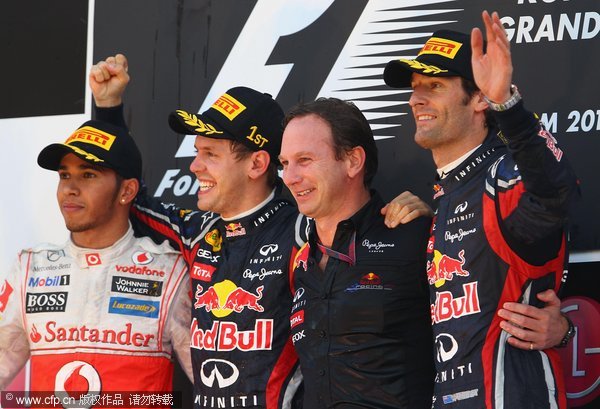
x: 241, y: 348
x: 95, y: 315
x: 498, y: 234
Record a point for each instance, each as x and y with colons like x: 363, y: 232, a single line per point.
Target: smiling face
x: 311, y: 171
x: 222, y: 175
x: 448, y: 122
x: 88, y: 197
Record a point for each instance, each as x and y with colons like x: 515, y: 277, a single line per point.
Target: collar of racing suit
x: 92, y: 257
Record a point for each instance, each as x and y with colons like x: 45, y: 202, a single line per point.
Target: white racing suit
x: 103, y: 320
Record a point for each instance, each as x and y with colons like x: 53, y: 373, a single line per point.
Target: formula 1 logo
x: 76, y: 379
x: 270, y: 55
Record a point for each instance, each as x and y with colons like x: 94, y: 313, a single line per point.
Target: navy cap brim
x: 51, y: 156
x: 398, y: 73
x: 186, y: 123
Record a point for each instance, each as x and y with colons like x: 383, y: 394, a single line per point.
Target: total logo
x: 223, y: 372
x: 76, y: 379
x: 225, y: 336
x: 142, y: 258
x: 443, y: 267
x: 226, y: 297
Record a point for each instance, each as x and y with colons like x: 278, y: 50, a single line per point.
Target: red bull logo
x: 443, y: 267
x: 370, y: 279
x: 225, y: 336
x: 225, y: 297
x: 301, y: 258
x: 234, y: 229
x: 5, y: 292
x: 447, y: 307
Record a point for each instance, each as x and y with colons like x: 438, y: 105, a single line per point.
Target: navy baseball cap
x: 99, y: 143
x: 241, y: 114
x: 446, y: 53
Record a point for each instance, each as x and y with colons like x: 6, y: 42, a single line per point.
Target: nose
x: 68, y: 187
x: 290, y: 175
x: 416, y: 98
x: 197, y: 165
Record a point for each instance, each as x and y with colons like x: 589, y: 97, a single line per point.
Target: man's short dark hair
x: 349, y: 128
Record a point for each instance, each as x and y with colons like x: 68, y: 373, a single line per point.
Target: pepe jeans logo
x: 376, y: 247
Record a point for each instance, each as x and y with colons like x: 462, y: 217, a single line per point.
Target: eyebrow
x: 86, y: 166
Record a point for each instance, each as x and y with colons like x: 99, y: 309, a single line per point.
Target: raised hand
x: 108, y: 80
x: 493, y: 68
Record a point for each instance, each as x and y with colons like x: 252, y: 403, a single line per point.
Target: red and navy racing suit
x: 242, y: 354
x: 498, y: 235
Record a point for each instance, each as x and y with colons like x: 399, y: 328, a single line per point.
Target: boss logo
x: 46, y: 302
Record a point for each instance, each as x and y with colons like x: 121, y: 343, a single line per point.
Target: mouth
x: 71, y: 207
x: 424, y: 117
x: 304, y: 192
x: 205, y: 186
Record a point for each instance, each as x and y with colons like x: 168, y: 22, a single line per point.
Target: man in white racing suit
x: 104, y: 312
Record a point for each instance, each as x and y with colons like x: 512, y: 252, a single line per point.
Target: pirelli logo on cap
x: 93, y: 136
x: 441, y: 46
x: 228, y: 106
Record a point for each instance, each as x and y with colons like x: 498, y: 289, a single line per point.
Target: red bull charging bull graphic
x: 221, y: 299
x: 443, y: 267
x: 301, y: 257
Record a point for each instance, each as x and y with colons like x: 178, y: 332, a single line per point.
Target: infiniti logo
x: 219, y: 366
x: 446, y: 347
x: 298, y: 294
x: 268, y: 249
x: 461, y: 207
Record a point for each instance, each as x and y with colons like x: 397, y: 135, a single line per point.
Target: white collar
x: 446, y: 169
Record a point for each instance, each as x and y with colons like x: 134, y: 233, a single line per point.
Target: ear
x: 355, y: 161
x: 479, y: 103
x: 128, y: 191
x: 259, y: 164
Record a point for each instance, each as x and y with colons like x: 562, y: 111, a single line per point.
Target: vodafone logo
x: 93, y: 259
x: 78, y: 378
x: 223, y: 372
x: 141, y: 258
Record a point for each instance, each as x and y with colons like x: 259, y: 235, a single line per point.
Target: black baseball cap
x: 99, y: 143
x: 446, y: 53
x: 241, y: 114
